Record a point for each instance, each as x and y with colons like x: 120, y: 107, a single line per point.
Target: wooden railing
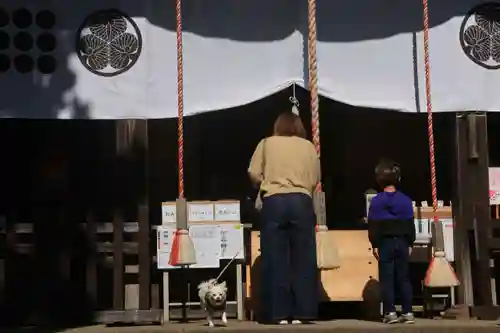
x: 79, y: 271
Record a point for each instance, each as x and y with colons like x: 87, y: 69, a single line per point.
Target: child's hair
x: 387, y: 173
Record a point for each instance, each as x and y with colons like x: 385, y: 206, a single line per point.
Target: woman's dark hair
x: 289, y: 124
x: 387, y: 173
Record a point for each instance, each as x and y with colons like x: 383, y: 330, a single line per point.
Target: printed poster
x: 494, y: 177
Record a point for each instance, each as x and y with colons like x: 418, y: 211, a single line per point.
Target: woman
x: 286, y: 167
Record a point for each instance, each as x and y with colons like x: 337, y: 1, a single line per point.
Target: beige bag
x: 258, y: 200
x: 327, y: 253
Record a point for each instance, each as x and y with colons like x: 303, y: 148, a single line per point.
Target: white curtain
x: 370, y: 53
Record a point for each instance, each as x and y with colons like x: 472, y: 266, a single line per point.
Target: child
x: 392, y: 234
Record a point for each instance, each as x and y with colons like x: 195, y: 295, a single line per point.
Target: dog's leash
x: 225, y: 267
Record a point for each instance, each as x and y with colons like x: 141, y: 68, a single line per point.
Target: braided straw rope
x: 430, y: 126
x: 180, y: 97
x: 313, y: 77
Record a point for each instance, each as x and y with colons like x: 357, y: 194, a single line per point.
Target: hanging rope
x: 180, y: 97
x: 430, y: 126
x: 440, y: 273
x: 313, y: 76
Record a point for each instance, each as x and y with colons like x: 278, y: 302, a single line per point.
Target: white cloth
x: 236, y: 52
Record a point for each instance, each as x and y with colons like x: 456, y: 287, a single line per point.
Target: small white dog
x: 213, y: 298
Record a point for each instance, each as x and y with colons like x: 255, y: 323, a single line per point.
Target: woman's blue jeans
x: 289, y: 281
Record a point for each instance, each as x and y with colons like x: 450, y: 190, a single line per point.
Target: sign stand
x: 166, y: 297
x: 224, y: 214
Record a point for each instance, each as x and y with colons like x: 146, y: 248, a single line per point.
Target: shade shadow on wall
x: 34, y: 64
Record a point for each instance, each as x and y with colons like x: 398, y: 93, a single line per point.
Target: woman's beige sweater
x: 282, y: 164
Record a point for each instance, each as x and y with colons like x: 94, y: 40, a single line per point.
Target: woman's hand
x: 375, y: 253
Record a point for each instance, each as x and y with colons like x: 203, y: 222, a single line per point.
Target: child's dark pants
x: 289, y: 280
x: 394, y: 273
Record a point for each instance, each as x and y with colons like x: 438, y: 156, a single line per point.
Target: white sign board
x: 494, y: 177
x: 164, y: 237
x: 227, y: 211
x: 207, y: 245
x: 168, y: 213
x: 368, y: 201
x: 423, y: 228
x: 449, y: 247
x: 232, y: 241
x: 200, y: 212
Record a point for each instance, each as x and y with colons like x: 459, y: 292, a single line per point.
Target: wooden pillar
x: 481, y: 207
x: 118, y: 263
x: 472, y: 213
x: 462, y: 211
x: 91, y: 266
x: 142, y: 142
x: 133, y: 173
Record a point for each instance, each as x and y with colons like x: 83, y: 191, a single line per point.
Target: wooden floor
x: 341, y: 326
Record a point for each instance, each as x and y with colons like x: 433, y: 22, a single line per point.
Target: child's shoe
x: 391, y: 318
x: 407, y: 318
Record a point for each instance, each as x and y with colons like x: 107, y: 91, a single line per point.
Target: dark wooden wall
x: 46, y: 165
x: 218, y: 146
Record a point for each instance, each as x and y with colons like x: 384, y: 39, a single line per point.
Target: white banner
x: 371, y: 54
x: 104, y: 59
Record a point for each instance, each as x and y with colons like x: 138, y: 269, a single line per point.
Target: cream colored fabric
x: 291, y: 165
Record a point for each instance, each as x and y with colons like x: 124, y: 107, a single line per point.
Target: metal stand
x: 239, y: 292
x: 185, y: 296
x: 166, y: 297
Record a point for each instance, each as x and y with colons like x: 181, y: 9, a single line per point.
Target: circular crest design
x: 480, y: 35
x: 109, y: 42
